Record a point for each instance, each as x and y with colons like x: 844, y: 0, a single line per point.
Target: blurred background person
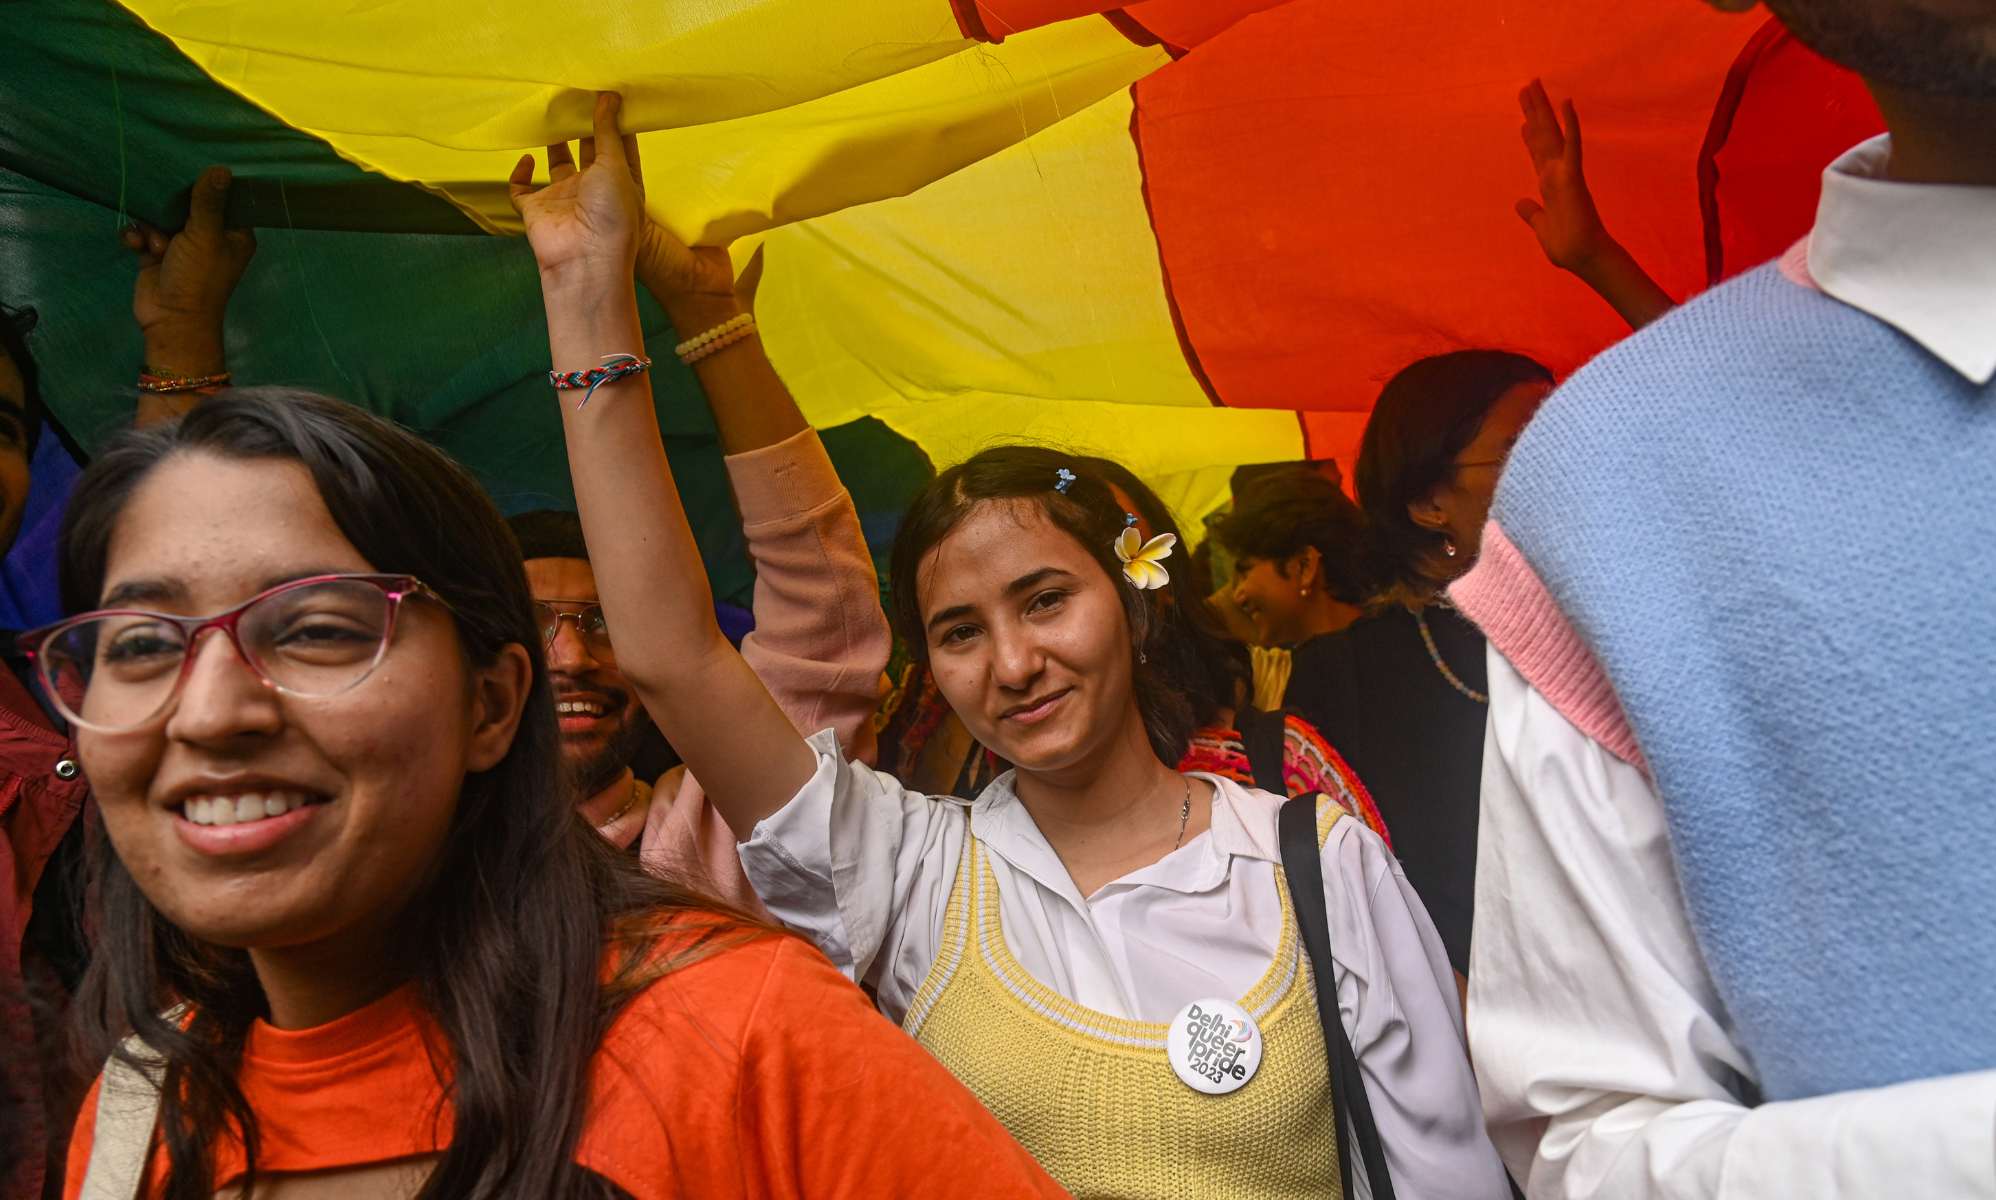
x: 1401, y: 693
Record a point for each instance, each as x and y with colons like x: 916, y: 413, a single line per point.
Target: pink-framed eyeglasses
x: 119, y: 669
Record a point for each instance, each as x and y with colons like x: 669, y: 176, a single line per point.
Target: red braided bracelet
x: 615, y: 367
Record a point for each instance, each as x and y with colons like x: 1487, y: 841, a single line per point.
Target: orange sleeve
x: 81, y: 1138
x: 835, y: 1101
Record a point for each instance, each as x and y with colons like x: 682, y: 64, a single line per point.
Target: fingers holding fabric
x: 520, y: 184
x: 208, y: 204
x: 561, y: 164
x: 145, y: 241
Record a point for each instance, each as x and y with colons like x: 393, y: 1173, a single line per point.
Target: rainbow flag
x: 1186, y: 233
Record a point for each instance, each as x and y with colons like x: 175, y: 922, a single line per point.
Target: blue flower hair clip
x: 1129, y: 519
x: 1066, y: 478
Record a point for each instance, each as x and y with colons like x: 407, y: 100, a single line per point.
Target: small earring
x: 1305, y: 592
x: 1448, y: 547
x: 1142, y: 657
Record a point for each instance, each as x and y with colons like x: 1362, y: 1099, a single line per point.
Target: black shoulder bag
x: 1302, y: 863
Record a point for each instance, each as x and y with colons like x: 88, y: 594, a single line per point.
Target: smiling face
x: 1027, y: 638
x: 601, y: 721
x: 1270, y: 593
x: 367, y: 781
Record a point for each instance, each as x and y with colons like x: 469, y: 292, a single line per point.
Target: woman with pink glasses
x: 353, y: 936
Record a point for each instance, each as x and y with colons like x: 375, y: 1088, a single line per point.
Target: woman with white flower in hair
x: 1103, y: 949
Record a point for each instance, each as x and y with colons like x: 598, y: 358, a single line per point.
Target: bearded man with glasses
x: 602, y: 724
x: 820, y: 641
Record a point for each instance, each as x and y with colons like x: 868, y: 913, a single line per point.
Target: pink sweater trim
x: 1794, y: 266
x: 1506, y: 599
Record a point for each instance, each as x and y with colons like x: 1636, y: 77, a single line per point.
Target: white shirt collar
x: 1243, y: 824
x: 1919, y: 257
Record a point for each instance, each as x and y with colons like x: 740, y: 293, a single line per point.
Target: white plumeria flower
x: 1143, y: 561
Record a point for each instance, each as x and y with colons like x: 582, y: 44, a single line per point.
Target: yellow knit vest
x: 1094, y: 1098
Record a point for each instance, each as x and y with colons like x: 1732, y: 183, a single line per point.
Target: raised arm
x: 1569, y: 227
x: 181, y: 295
x: 696, y: 287
x: 584, y: 228
x: 820, y: 642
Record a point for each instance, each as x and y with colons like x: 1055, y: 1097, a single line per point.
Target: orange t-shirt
x: 758, y: 1071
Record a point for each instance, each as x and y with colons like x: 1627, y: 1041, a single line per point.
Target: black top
x: 1414, y: 740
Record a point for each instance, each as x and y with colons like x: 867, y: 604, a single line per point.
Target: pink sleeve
x: 686, y: 840
x: 820, y: 643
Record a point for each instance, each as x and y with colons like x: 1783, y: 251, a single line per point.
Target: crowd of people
x: 360, y: 841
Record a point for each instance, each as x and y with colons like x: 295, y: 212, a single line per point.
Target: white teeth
x: 235, y: 810
x: 568, y: 708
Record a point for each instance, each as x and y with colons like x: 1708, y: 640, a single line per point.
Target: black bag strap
x: 1262, y: 735
x: 1302, y: 864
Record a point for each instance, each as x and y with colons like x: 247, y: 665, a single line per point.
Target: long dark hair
x: 1425, y: 415
x: 511, y: 931
x: 1183, y: 673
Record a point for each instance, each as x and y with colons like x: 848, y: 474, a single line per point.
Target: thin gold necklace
x: 1184, y: 811
x: 630, y: 803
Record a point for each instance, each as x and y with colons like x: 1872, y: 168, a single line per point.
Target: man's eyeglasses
x: 119, y: 669
x: 589, y: 624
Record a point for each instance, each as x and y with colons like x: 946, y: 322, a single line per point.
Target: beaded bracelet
x: 615, y: 367
x: 159, y: 383
x: 720, y: 337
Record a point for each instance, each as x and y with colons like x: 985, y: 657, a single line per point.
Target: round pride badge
x: 1214, y: 1046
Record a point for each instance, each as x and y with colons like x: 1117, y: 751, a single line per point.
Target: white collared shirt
x: 1920, y: 257
x: 1607, y: 1063
x: 864, y: 867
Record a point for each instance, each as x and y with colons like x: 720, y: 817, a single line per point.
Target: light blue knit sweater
x: 1773, y: 520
